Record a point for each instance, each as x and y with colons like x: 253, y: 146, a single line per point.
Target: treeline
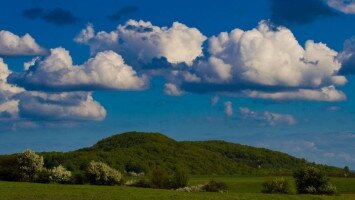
x: 141, y: 152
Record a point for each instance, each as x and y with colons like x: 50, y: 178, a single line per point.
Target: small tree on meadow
x: 29, y: 165
x: 99, y: 173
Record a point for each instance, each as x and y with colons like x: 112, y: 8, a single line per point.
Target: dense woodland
x: 141, y: 152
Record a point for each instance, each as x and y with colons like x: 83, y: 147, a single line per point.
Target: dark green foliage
x: 79, y: 177
x: 8, y: 166
x: 277, y: 185
x: 311, y: 180
x: 215, y: 186
x: 43, y: 176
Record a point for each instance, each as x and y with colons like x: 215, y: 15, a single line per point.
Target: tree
x: 99, y: 173
x: 346, y: 171
x: 29, y: 164
x: 311, y: 180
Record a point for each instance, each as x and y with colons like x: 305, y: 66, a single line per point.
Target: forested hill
x: 139, y: 152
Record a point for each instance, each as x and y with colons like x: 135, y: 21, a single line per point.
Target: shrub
x: 159, y: 178
x: 99, y: 173
x: 215, y: 186
x: 311, y: 180
x: 277, y: 185
x: 179, y: 179
x: 60, y: 175
x: 29, y: 164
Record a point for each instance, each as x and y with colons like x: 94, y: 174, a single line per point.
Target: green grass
x: 240, y: 188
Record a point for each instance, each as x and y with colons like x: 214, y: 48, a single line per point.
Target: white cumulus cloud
x: 107, y: 70
x: 267, y: 62
x: 13, y: 45
x: 142, y: 41
x: 272, y: 57
x: 17, y: 104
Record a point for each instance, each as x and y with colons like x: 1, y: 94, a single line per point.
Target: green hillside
x: 139, y: 152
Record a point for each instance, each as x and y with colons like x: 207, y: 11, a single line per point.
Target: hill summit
x: 139, y: 152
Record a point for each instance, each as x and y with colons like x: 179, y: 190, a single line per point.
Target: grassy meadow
x: 240, y: 188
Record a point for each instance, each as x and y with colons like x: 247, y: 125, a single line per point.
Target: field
x: 240, y: 188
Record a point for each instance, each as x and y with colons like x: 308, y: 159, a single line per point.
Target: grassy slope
x: 207, y: 157
x: 241, y: 188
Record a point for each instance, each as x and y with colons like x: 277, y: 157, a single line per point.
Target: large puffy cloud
x: 347, y: 57
x: 142, y: 41
x: 19, y: 105
x: 345, y: 6
x: 13, y: 45
x: 266, y: 117
x: 107, y: 70
x: 267, y: 62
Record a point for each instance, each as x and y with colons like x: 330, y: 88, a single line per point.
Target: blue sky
x: 264, y: 87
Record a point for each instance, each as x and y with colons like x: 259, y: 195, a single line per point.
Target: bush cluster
x: 310, y: 180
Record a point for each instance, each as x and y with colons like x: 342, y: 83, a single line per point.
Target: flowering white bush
x: 29, y: 164
x: 60, y: 175
x: 99, y: 173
